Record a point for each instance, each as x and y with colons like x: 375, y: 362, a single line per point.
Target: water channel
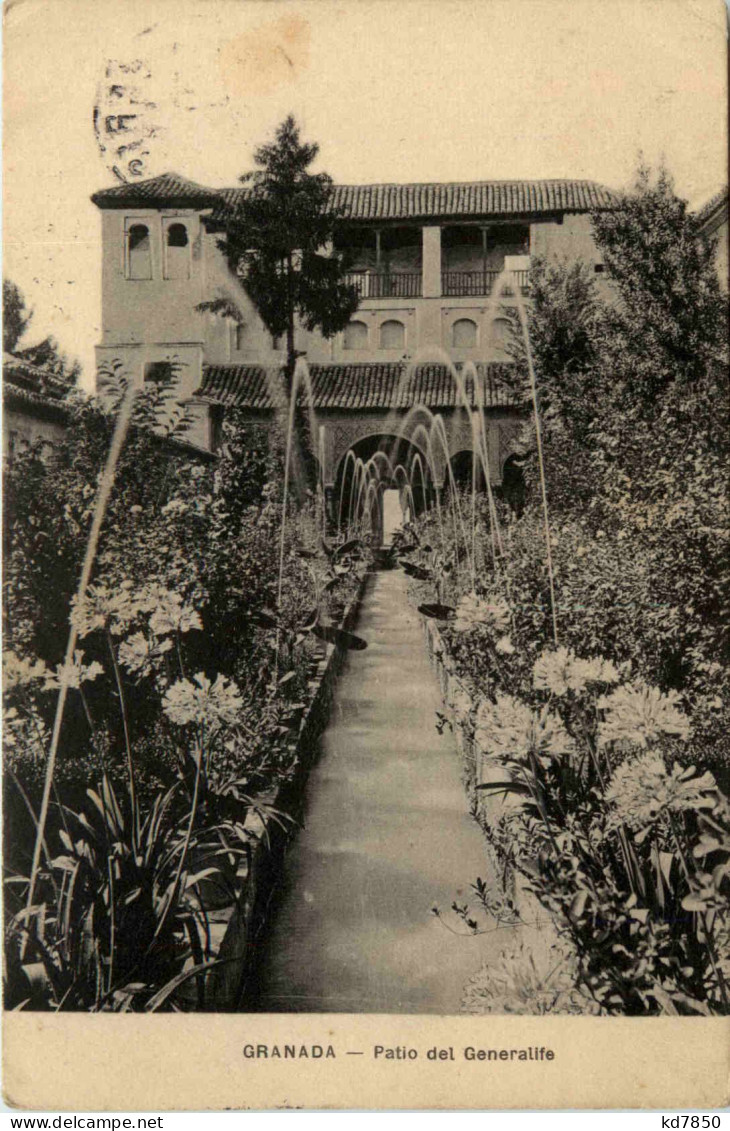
x: 387, y: 835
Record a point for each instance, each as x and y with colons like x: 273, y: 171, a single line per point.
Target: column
x: 329, y: 507
x: 495, y: 436
x: 485, y: 260
x: 432, y: 262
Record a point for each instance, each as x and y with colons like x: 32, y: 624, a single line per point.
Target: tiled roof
x: 382, y: 385
x: 169, y: 188
x: 386, y: 202
x: 33, y: 386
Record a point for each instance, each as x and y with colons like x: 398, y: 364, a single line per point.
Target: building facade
x: 436, y: 266
x: 34, y: 406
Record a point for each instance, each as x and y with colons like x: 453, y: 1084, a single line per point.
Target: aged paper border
x: 196, y: 1062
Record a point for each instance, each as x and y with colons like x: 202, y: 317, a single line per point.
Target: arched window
x: 392, y: 335
x: 356, y: 336
x: 139, y: 252
x: 501, y: 337
x: 464, y: 334
x: 239, y: 336
x: 177, y: 252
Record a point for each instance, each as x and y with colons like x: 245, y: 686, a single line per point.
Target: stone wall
x: 21, y: 428
x: 538, y: 931
x: 236, y: 927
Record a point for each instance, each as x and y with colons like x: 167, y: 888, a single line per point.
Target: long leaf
x: 340, y: 638
x: 346, y: 548
x: 437, y: 611
x: 505, y: 787
x: 416, y: 571
x: 163, y: 994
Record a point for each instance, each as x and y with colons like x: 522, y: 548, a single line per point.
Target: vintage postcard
x: 366, y: 671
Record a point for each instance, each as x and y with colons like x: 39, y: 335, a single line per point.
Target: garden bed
x: 538, y: 929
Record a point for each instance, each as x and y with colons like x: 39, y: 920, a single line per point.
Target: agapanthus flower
x: 639, y: 714
x: 199, y: 701
x: 491, y: 613
x: 169, y: 613
x: 140, y: 655
x: 104, y: 608
x: 20, y: 672
x: 642, y: 789
x: 26, y: 734
x: 77, y: 673
x: 511, y: 729
x: 460, y: 702
x: 560, y: 671
x: 524, y: 981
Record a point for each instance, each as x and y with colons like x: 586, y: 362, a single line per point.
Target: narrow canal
x: 387, y: 835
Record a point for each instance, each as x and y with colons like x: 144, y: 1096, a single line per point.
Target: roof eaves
x: 27, y: 397
x: 386, y: 202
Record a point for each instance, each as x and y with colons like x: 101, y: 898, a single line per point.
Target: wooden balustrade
x: 384, y: 284
x: 454, y: 284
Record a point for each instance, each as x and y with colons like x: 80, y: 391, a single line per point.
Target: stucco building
x: 425, y: 258
x: 34, y: 405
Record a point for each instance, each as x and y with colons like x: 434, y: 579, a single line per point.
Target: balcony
x: 382, y: 284
x: 454, y: 284
x: 460, y: 284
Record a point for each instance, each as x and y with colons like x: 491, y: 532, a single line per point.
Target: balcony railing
x: 458, y: 284
x: 454, y: 284
x: 383, y: 284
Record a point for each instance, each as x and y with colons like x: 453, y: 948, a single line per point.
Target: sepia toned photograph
x: 366, y: 577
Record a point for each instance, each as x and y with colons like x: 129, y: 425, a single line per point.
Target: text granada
x: 289, y: 1052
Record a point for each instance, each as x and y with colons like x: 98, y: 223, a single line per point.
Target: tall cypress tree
x: 279, y: 242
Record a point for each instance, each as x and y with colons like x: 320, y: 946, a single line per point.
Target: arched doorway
x: 381, y: 481
x: 512, y: 489
x: 462, y: 471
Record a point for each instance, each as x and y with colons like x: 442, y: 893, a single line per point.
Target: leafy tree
x: 16, y: 316
x: 279, y: 240
x: 45, y: 354
x: 670, y: 321
x: 635, y: 404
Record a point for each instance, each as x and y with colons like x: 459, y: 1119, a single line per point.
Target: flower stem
x: 107, y: 482
x: 127, y: 744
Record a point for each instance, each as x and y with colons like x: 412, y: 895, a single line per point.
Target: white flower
x: 19, y: 672
x: 169, y: 613
x: 460, y: 703
x: 25, y: 734
x: 511, y: 729
x: 138, y: 654
x: 102, y: 608
x: 210, y: 704
x: 560, y: 671
x: 505, y: 646
x: 527, y: 981
x: 640, y: 714
x: 603, y: 671
x: 491, y: 613
x: 77, y: 673
x: 642, y: 789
